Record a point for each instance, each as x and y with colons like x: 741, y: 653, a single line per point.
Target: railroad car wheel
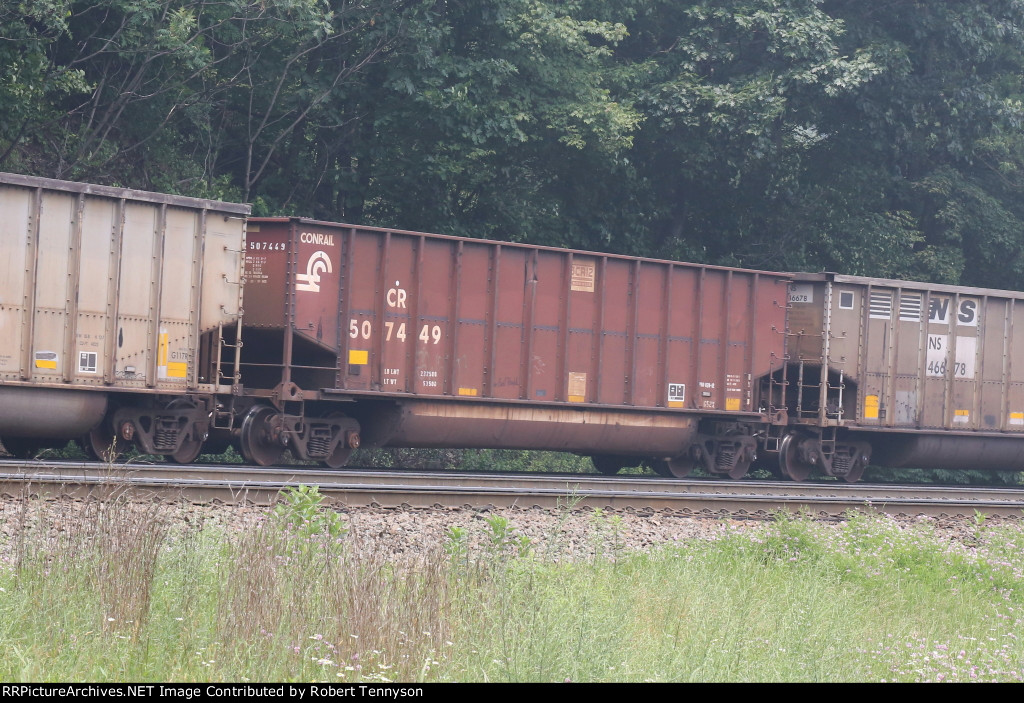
x: 191, y: 447
x: 339, y: 457
x: 789, y: 459
x: 854, y: 475
x: 678, y: 467
x: 101, y: 444
x: 188, y: 452
x: 258, y: 438
x: 609, y: 465
x: 660, y: 467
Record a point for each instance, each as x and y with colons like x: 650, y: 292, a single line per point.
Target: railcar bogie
x: 266, y: 433
x: 173, y: 426
x: 329, y: 439
x: 802, y: 452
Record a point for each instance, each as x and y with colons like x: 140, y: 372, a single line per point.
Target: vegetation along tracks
x: 404, y: 488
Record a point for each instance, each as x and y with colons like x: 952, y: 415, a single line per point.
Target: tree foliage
x: 864, y: 137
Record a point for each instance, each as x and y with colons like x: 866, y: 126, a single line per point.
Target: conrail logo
x: 319, y: 263
x: 324, y: 240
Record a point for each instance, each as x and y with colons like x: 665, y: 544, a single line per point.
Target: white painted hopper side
x: 112, y: 288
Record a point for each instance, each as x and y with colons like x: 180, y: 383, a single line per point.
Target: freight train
x: 181, y: 326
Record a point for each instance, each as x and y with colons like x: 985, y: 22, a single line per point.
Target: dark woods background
x: 861, y: 136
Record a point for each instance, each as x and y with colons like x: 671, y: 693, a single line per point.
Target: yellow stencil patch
x: 577, y: 387
x: 161, y: 349
x: 46, y: 360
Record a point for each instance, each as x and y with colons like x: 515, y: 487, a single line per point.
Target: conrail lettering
x: 323, y: 240
x: 396, y: 297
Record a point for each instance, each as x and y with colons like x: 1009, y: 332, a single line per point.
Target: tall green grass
x: 112, y: 591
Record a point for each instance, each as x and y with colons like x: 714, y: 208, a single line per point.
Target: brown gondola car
x: 391, y: 338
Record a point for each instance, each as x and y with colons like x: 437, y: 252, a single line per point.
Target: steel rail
x: 421, y: 489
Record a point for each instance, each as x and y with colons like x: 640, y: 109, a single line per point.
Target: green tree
x: 194, y: 96
x: 733, y: 94
x: 918, y: 176
x: 483, y: 121
x: 30, y: 82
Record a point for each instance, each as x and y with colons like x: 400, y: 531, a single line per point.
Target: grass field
x: 113, y: 592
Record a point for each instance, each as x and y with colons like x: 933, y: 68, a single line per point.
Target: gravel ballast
x: 410, y: 533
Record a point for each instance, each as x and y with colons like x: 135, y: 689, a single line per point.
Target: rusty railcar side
x: 921, y: 375
x: 445, y: 341
x: 107, y: 294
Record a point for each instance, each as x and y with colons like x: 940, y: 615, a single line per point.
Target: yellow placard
x: 467, y: 391
x: 871, y: 407
x: 358, y: 357
x: 577, y: 387
x: 732, y: 403
x: 46, y: 360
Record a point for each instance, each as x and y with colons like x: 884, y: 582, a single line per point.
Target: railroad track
x: 420, y: 489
